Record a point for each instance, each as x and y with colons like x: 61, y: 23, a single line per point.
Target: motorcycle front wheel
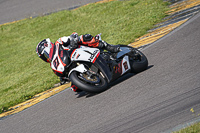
x: 93, y: 83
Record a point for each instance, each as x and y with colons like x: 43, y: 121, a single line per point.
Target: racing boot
x: 114, y: 49
x: 109, y: 47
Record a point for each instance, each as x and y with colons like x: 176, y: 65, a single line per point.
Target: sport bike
x: 92, y: 69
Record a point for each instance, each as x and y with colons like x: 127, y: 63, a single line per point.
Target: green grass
x: 23, y: 74
x: 195, y: 128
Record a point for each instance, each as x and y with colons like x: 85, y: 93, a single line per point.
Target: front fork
x: 80, y: 68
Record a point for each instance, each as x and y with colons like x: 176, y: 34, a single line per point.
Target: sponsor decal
x: 93, y: 55
x: 118, y: 68
x: 96, y: 57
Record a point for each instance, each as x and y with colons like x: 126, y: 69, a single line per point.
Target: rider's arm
x: 63, y: 41
x: 89, y: 40
x: 74, y: 35
x: 68, y: 41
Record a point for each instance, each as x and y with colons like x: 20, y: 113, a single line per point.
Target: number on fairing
x: 56, y: 63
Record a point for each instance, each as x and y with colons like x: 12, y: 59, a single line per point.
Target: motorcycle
x: 92, y: 69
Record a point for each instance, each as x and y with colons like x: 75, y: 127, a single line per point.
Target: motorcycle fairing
x: 58, y: 61
x: 121, y: 68
x: 101, y: 64
x: 85, y: 54
x: 80, y: 68
x: 125, y: 65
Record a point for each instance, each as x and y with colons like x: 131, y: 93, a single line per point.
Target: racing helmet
x: 43, y: 49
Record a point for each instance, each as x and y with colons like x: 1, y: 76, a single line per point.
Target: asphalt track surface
x: 156, y: 100
x: 13, y: 10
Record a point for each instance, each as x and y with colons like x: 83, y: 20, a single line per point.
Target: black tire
x: 137, y: 65
x: 86, y: 86
x: 140, y: 64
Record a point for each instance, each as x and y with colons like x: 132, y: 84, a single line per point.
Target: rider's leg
x: 109, y: 47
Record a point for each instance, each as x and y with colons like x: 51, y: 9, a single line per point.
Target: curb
x: 36, y: 99
x: 181, y: 11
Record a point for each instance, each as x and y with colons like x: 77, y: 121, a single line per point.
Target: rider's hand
x: 73, y: 43
x: 74, y: 35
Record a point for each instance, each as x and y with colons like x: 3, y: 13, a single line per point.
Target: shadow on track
x: 119, y: 80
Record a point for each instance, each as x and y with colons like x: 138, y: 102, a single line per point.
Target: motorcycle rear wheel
x: 140, y: 63
x: 96, y: 84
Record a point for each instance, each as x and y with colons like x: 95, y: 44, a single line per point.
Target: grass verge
x: 195, y: 128
x: 23, y: 74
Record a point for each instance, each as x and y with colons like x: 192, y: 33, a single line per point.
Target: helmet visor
x: 46, y: 53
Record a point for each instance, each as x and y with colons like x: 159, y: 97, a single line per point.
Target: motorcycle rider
x: 47, y: 51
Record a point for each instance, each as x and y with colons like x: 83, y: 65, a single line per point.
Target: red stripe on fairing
x: 77, y: 56
x: 51, y: 51
x: 72, y: 53
x: 96, y: 57
x: 66, y: 49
